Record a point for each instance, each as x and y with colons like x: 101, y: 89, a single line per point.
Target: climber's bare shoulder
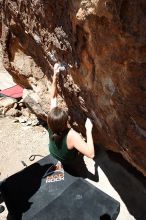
x: 74, y: 140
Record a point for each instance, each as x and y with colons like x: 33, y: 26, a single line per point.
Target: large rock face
x: 103, y: 44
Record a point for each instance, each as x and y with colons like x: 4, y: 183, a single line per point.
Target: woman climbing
x: 65, y: 143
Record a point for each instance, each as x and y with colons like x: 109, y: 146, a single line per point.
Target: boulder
x: 103, y: 44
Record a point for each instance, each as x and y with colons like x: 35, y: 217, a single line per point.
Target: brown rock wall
x: 104, y: 45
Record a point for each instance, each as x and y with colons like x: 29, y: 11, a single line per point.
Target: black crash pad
x: 45, y: 191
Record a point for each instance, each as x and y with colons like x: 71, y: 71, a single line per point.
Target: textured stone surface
x: 104, y: 45
x: 0, y: 18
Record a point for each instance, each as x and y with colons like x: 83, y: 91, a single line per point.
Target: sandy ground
x: 17, y: 143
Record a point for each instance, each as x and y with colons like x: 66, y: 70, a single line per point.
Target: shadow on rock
x: 126, y: 180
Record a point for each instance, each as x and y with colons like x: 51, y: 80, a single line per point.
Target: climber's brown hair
x: 57, y: 122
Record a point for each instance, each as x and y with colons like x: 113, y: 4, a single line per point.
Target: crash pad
x: 14, y: 91
x: 45, y: 191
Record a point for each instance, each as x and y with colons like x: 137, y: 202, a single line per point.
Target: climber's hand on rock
x: 88, y: 125
x: 56, y: 68
x: 56, y: 71
x: 59, y: 67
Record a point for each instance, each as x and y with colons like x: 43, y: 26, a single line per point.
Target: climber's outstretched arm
x: 74, y: 140
x: 53, y: 91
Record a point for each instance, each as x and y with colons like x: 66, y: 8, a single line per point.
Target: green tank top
x: 60, y: 151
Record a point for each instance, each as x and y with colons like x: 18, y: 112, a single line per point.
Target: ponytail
x: 57, y: 122
x: 57, y: 137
